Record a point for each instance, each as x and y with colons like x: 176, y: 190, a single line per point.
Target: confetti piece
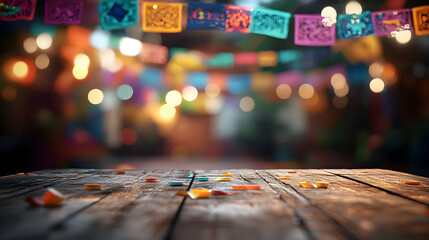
x: 20, y: 174
x: 223, y: 179
x: 239, y: 188
x: 291, y: 171
x: 254, y: 187
x: 35, y: 201
x: 227, y: 174
x: 203, y: 179
x: 175, y: 183
x: 8, y: 176
x: 93, y: 186
x: 306, y: 185
x: 150, y: 179
x: 120, y: 172
x: 31, y: 174
x: 322, y: 184
x: 221, y: 192
x: 283, y: 178
x: 92, y: 170
x: 199, y: 193
x: 182, y: 193
x: 190, y: 175
x: 52, y: 197
x: 412, y: 182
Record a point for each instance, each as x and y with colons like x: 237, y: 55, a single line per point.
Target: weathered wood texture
x: 359, y: 204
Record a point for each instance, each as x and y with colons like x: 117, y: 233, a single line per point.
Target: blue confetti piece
x: 151, y: 77
x: 270, y: 22
x: 203, y: 179
x: 190, y: 175
x: 198, y: 79
x: 175, y: 183
x: 117, y: 14
x: 352, y: 25
x: 238, y: 83
x: 206, y: 16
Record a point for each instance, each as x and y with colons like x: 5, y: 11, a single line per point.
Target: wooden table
x: 359, y: 204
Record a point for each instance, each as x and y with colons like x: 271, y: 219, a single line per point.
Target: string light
x: 283, y: 91
x: 81, y: 61
x: 129, y: 46
x: 44, y: 41
x: 376, y: 85
x: 95, y: 96
x: 190, y: 93
x: 167, y: 112
x: 80, y: 73
x: 247, y: 104
x: 42, y: 61
x: 125, y: 92
x: 20, y: 69
x: 306, y: 91
x: 30, y: 45
x: 403, y: 37
x: 173, y: 98
x: 353, y: 7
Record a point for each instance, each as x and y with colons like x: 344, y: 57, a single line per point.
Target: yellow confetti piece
x: 306, y: 185
x: 182, y: 193
x: 223, y: 179
x: 199, y: 193
x: 162, y: 17
x: 322, y: 184
x: 226, y: 174
x: 412, y: 182
x: 283, y: 178
x: 93, y: 186
x: 19, y: 174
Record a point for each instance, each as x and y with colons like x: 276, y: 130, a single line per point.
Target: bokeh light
x: 30, y: 45
x: 80, y: 73
x: 81, y: 61
x: 8, y: 93
x: 376, y: 85
x: 42, y: 61
x: 128, y: 136
x: 283, y: 91
x: 213, y: 105
x: 125, y: 92
x: 341, y: 92
x: 190, y: 93
x: 20, y: 69
x: 403, y: 37
x: 247, y: 104
x: 95, y: 96
x: 329, y: 15
x: 167, y: 112
x: 129, y: 46
x: 338, y: 81
x: 44, y: 40
x: 376, y: 69
x: 173, y: 98
x: 306, y: 91
x: 339, y: 102
x: 99, y: 39
x: 353, y: 7
x: 212, y: 90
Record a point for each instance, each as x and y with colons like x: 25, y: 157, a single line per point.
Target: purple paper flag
x: 386, y: 22
x: 63, y: 12
x: 11, y: 10
x: 310, y: 31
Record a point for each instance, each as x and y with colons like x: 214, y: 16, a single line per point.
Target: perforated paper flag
x: 117, y: 13
x: 238, y: 19
x: 63, y: 12
x: 386, y: 22
x: 270, y: 22
x: 206, y: 16
x: 310, y: 31
x: 162, y: 17
x: 11, y: 10
x: 421, y: 20
x: 352, y: 25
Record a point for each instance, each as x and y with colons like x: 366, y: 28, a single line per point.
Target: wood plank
x: 138, y: 210
x: 390, y: 181
x: 258, y: 214
x: 365, y: 211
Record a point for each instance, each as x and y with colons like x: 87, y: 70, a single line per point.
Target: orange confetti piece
x: 93, y: 186
x: 254, y: 187
x: 52, y: 197
x: 291, y: 171
x: 412, y: 182
x: 283, y: 178
x: 199, y: 193
x: 120, y: 172
x: 226, y: 174
x: 150, y: 179
x: 182, y: 193
x: 322, y: 184
x: 19, y: 174
x: 239, y: 188
x: 306, y: 185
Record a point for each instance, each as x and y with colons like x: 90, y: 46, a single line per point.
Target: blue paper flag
x: 198, y: 79
x: 151, y: 77
x: 270, y: 22
x: 238, y: 83
x: 206, y: 16
x: 352, y: 25
x: 118, y: 13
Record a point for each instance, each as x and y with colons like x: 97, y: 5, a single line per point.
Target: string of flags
x: 310, y: 30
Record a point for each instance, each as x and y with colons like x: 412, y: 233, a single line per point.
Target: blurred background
x: 77, y: 96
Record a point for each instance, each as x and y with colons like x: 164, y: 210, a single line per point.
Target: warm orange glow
x: 80, y: 73
x: 167, y: 112
x: 20, y: 69
x: 173, y: 98
x: 306, y: 91
x: 283, y: 91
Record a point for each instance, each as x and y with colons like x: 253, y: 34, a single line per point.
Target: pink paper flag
x: 389, y: 21
x: 310, y: 31
x: 11, y: 10
x: 63, y: 12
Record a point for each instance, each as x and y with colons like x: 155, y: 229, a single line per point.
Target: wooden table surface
x: 359, y: 204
